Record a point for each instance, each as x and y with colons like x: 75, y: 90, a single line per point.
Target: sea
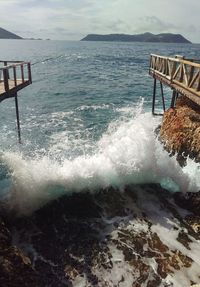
x: 87, y: 128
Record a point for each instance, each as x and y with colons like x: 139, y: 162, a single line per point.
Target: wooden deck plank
x: 12, y: 88
x: 11, y: 85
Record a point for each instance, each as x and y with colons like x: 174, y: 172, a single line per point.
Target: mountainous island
x: 4, y: 34
x: 146, y: 37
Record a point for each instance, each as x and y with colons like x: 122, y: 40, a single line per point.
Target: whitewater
x: 91, y: 177
x: 129, y: 152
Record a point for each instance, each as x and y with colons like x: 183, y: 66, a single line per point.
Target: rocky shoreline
x: 84, y: 238
x: 15, y: 266
x: 141, y: 236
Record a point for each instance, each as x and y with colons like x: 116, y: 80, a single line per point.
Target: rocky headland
x: 4, y: 34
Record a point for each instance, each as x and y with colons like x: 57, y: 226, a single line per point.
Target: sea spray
x: 128, y: 153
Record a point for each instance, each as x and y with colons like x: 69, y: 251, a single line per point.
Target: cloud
x: 109, y: 26
x: 60, y: 19
x: 117, y: 26
x: 155, y: 25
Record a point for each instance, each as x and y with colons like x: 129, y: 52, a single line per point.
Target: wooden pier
x: 180, y: 74
x: 14, y: 76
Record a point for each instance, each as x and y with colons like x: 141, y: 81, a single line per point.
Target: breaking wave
x: 128, y: 153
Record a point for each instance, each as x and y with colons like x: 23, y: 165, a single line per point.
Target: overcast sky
x: 73, y: 19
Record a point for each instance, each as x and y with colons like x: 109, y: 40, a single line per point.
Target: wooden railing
x: 176, y: 72
x: 13, y: 74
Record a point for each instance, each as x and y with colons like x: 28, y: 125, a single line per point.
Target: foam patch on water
x: 94, y: 107
x: 120, y: 269
x: 128, y: 153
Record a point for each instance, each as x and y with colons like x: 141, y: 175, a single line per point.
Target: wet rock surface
x: 15, y: 267
x: 189, y: 200
x: 142, y: 236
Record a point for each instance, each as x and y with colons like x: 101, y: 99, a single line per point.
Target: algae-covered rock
x: 180, y: 130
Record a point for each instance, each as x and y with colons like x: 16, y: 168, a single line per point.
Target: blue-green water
x: 85, y: 121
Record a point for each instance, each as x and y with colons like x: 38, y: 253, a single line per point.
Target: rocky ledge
x: 15, y: 267
x: 138, y: 237
x: 180, y: 134
x: 180, y: 130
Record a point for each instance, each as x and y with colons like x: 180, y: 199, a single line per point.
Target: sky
x: 74, y: 19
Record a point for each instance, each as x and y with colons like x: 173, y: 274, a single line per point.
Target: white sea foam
x: 127, y: 153
x: 94, y: 107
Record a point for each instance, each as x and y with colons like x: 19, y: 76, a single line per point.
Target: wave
x: 128, y: 153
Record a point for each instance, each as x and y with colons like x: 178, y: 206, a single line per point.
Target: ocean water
x: 86, y: 126
x: 86, y: 120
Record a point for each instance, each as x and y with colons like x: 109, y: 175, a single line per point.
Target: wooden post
x: 15, y: 76
x: 198, y: 83
x: 181, y: 73
x: 154, y: 97
x: 22, y: 72
x: 173, y: 71
x: 173, y: 101
x: 18, y: 121
x: 7, y: 71
x: 5, y: 78
x: 29, y: 73
x: 162, y: 95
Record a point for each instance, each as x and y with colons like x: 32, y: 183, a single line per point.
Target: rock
x: 189, y: 201
x: 180, y: 130
x: 15, y: 267
x: 104, y: 239
x: 180, y: 133
x: 5, y: 236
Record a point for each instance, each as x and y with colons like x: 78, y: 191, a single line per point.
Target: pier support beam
x: 154, y: 97
x: 17, y: 117
x: 174, y: 97
x: 162, y: 95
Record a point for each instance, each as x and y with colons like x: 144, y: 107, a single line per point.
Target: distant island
x: 146, y: 37
x: 4, y: 34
